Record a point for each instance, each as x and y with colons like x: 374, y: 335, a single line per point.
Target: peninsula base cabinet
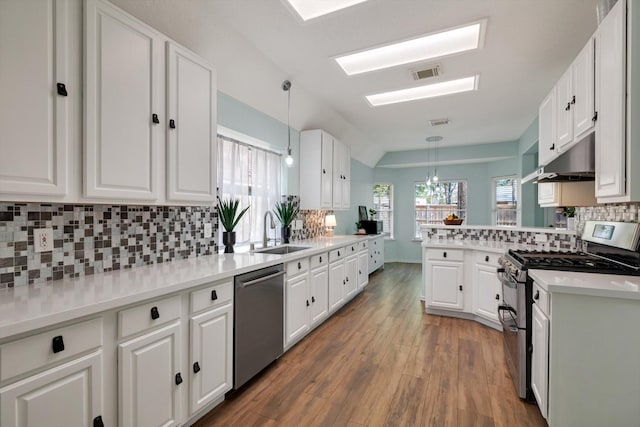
x: 462, y: 283
x: 376, y: 252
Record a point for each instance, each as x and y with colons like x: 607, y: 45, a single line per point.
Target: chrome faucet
x: 265, y: 241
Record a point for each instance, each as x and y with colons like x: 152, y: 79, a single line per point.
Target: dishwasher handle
x: 262, y: 279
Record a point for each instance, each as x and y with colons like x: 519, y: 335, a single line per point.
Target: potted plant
x: 570, y: 213
x: 372, y: 213
x: 286, y: 212
x: 229, y: 218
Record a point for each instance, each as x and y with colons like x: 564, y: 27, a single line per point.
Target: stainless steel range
x: 611, y: 248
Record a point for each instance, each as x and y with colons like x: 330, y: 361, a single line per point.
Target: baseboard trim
x: 417, y: 261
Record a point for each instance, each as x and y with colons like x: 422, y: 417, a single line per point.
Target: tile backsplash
x: 90, y: 239
x: 313, y: 221
x: 561, y: 241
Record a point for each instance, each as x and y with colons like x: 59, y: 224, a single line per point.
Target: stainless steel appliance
x: 258, y: 322
x: 610, y: 248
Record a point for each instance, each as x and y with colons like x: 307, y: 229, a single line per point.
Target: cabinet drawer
x: 487, y: 258
x: 211, y: 296
x: 146, y: 316
x: 541, y: 299
x: 47, y: 348
x: 363, y: 245
x: 298, y: 266
x: 352, y: 249
x: 336, y: 254
x: 445, y: 254
x: 320, y: 259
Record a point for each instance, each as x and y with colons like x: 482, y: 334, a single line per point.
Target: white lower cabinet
x: 363, y: 268
x: 445, y: 278
x: 337, y: 283
x: 297, y: 308
x: 376, y: 253
x: 351, y: 275
x: 540, y: 358
x: 149, y: 378
x: 319, y: 289
x: 69, y: 395
x: 487, y: 289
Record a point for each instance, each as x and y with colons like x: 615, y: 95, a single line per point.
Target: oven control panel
x: 622, y: 235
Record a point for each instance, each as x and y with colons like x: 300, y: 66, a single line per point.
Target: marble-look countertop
x: 593, y: 284
x: 26, y: 308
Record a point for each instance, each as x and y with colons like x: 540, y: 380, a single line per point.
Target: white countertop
x: 601, y: 285
x: 478, y: 245
x: 25, y: 308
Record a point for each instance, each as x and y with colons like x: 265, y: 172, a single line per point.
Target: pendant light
x: 435, y: 140
x: 428, y: 161
x: 286, y: 86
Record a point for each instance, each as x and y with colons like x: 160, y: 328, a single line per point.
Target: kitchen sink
x: 281, y: 250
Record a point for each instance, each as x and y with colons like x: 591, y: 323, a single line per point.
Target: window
x: 505, y: 196
x: 434, y: 202
x: 252, y: 175
x: 383, y: 204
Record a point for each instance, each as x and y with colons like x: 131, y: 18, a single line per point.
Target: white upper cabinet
x: 564, y: 113
x: 611, y: 98
x: 325, y: 171
x: 35, y: 107
x: 191, y: 128
x: 123, y: 97
x: 547, y: 128
x: 583, y: 105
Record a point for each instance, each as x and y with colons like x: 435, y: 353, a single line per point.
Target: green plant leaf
x: 286, y: 212
x: 228, y: 213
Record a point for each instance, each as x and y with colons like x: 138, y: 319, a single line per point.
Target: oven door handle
x: 511, y: 311
x: 505, y: 279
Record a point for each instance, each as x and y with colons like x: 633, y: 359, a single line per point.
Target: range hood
x: 575, y: 164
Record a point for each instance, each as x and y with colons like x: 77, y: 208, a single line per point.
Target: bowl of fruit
x: 452, y: 219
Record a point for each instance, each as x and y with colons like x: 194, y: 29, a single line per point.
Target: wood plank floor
x: 381, y: 361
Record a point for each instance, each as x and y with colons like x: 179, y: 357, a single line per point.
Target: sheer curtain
x: 252, y: 175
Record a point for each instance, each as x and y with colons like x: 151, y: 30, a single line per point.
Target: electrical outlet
x: 541, y: 238
x: 442, y: 232
x: 43, y: 239
x: 297, y: 224
x: 207, y: 231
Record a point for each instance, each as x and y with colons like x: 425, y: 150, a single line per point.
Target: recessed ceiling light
x: 309, y: 9
x: 433, y: 139
x: 421, y: 92
x: 430, y: 46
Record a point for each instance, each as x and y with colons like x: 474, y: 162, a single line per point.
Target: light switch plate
x: 441, y: 232
x: 43, y: 239
x: 207, y: 231
x: 297, y: 224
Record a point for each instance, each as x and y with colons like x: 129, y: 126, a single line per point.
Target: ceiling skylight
x: 309, y: 9
x: 421, y: 92
x: 431, y: 46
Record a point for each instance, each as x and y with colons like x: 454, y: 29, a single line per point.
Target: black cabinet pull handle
x: 352, y: 249
x: 359, y: 271
x: 154, y: 118
x: 97, y: 421
x: 486, y: 258
x: 498, y: 297
x: 444, y: 254
x: 320, y: 259
x: 553, y: 147
x: 178, y: 378
x: 568, y: 107
x: 172, y: 124
x: 214, y: 295
x: 537, y: 296
x: 338, y: 253
x: 595, y: 117
x: 324, y: 171
x: 62, y: 89
x: 307, y: 303
x: 460, y: 287
x: 344, y: 282
x: 57, y: 344
x: 155, y: 313
x: 573, y: 100
x: 299, y: 266
x: 347, y: 278
x: 196, y: 367
x: 313, y: 299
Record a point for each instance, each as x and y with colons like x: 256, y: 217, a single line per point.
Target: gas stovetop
x: 567, y: 261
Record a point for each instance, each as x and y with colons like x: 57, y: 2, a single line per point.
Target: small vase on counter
x: 228, y: 240
x: 286, y: 234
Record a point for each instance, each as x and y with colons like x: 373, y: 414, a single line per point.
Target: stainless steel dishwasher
x: 258, y: 322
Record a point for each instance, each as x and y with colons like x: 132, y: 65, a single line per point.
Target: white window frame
x: 387, y: 235
x: 494, y: 201
x: 417, y: 236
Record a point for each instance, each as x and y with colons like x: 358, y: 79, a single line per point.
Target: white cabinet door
x: 363, y: 269
x: 211, y: 355
x: 540, y: 359
x: 446, y: 285
x: 486, y: 292
x: 34, y: 116
x: 297, y: 307
x: 564, y: 111
x: 319, y: 291
x: 351, y: 275
x: 191, y: 128
x: 148, y: 377
x: 123, y: 60
x: 69, y: 395
x: 582, y: 70
x: 337, y: 284
x: 611, y: 98
x: 338, y: 174
x: 547, y: 129
x: 548, y: 194
x: 346, y: 180
x: 326, y: 179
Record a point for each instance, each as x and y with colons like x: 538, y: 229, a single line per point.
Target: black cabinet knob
x: 595, y: 117
x: 352, y: 249
x: 460, y: 287
x: 347, y: 278
x: 320, y: 259
x: 196, y: 367
x: 178, y: 378
x: 313, y: 299
x: 299, y: 266
x: 155, y: 314
x: 214, y: 295
x: 444, y: 254
x: 57, y: 344
x: 338, y: 253
x: 359, y: 271
x: 308, y: 303
x: 553, y: 147
x: 61, y: 89
x: 568, y: 107
x: 172, y: 124
x: 97, y: 421
x: 344, y: 282
x: 537, y: 295
x: 498, y: 297
x: 486, y: 258
x: 155, y: 119
x: 573, y: 100
x: 324, y: 171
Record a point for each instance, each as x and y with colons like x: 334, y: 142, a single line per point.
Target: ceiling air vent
x: 438, y: 122
x: 426, y: 73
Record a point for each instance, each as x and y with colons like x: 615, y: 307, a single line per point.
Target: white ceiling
x: 256, y: 44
